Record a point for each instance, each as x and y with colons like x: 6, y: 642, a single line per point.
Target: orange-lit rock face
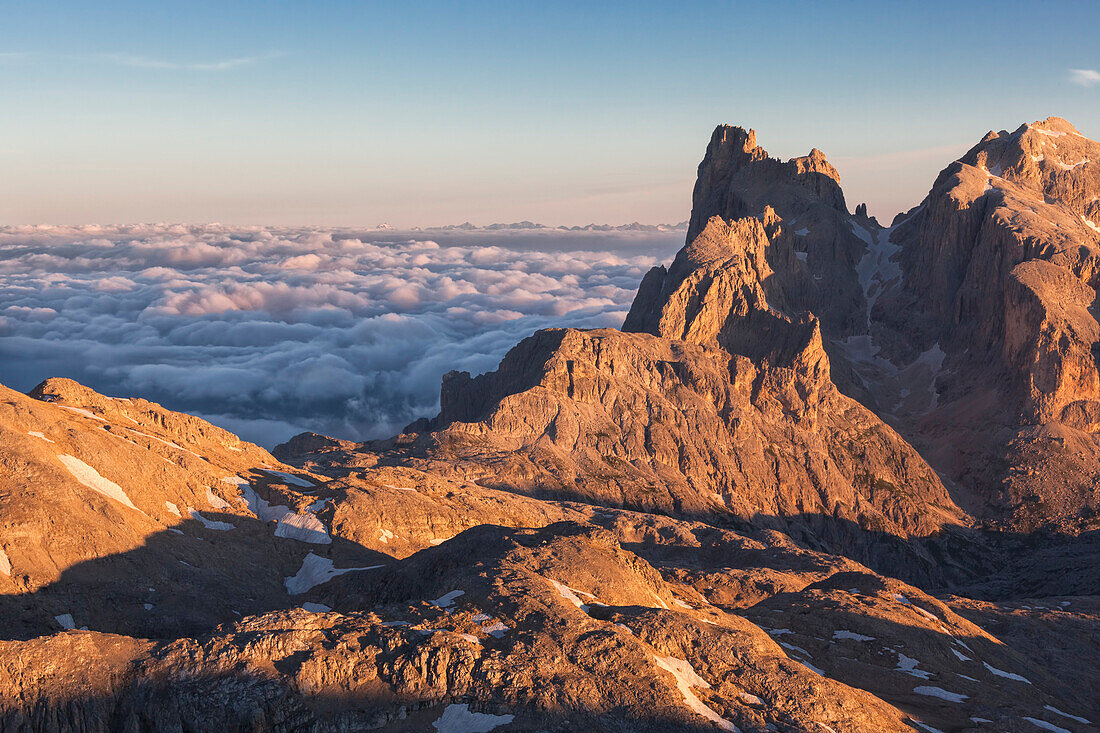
x: 784, y: 497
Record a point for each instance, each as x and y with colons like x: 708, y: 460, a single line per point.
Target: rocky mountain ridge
x: 791, y: 494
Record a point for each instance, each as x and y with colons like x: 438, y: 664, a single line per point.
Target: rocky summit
x: 830, y: 476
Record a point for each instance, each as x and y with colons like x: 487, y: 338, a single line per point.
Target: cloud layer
x: 270, y: 332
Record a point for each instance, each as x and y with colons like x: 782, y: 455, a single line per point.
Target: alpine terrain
x: 831, y: 475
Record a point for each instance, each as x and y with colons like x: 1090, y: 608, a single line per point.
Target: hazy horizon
x: 423, y: 114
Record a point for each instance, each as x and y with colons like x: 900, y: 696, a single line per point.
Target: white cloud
x: 274, y: 331
x: 1084, y: 77
x: 144, y: 62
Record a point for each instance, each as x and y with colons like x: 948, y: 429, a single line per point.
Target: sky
x: 427, y: 113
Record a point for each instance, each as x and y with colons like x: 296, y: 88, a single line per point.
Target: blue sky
x: 423, y: 113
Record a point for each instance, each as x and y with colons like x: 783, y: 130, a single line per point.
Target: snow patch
x: 173, y: 508
x: 66, y: 621
x: 36, y: 434
x: 1045, y: 725
x: 260, y: 508
x: 939, y: 692
x: 568, y: 594
x: 316, y: 570
x: 386, y: 536
x: 90, y: 477
x: 302, y: 527
x: 447, y: 599
x: 82, y: 411
x: 802, y: 232
x: 315, y: 607
x: 210, y: 523
x: 1091, y: 224
x: 5, y: 563
x: 962, y: 657
x: 496, y: 629
x: 842, y: 634
x: 1056, y: 711
x: 1006, y: 675
x: 215, y: 501
x: 459, y: 719
x: 686, y: 678
x: 926, y: 727
x: 290, y: 479
x: 908, y: 665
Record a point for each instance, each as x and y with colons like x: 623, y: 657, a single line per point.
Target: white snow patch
x: 749, y: 698
x: 174, y: 530
x: 90, y: 477
x: 802, y: 232
x: 260, y: 508
x: 877, y: 267
x: 939, y: 692
x: 37, y: 434
x: 902, y: 599
x: 793, y: 648
x: 5, y: 563
x: 147, y: 606
x: 82, y: 411
x: 210, y: 523
x: 1091, y: 224
x: 681, y: 604
x: 686, y: 678
x: 1041, y: 131
x: 315, y: 607
x: 1006, y: 675
x: 496, y: 629
x: 291, y: 479
x: 1045, y: 725
x: 1056, y: 711
x: 386, y: 536
x: 459, y: 719
x: 317, y: 505
x: 173, y: 508
x: 447, y: 599
x: 304, y: 528
x: 908, y: 665
x: 437, y: 541
x: 965, y: 677
x: 962, y: 657
x: 399, y: 488
x: 216, y: 502
x: 779, y: 632
x: 816, y: 670
x: 803, y: 256
x: 316, y: 570
x: 926, y: 727
x: 842, y: 634
x: 568, y: 594
x: 625, y: 628
x: 980, y: 720
x: 236, y: 481
x: 168, y: 443
x: 66, y: 621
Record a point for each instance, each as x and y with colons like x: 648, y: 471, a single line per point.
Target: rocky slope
x: 696, y: 523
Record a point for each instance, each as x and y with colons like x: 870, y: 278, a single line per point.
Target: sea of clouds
x: 269, y: 332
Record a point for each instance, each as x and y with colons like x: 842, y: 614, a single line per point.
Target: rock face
x: 722, y: 517
x: 997, y: 274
